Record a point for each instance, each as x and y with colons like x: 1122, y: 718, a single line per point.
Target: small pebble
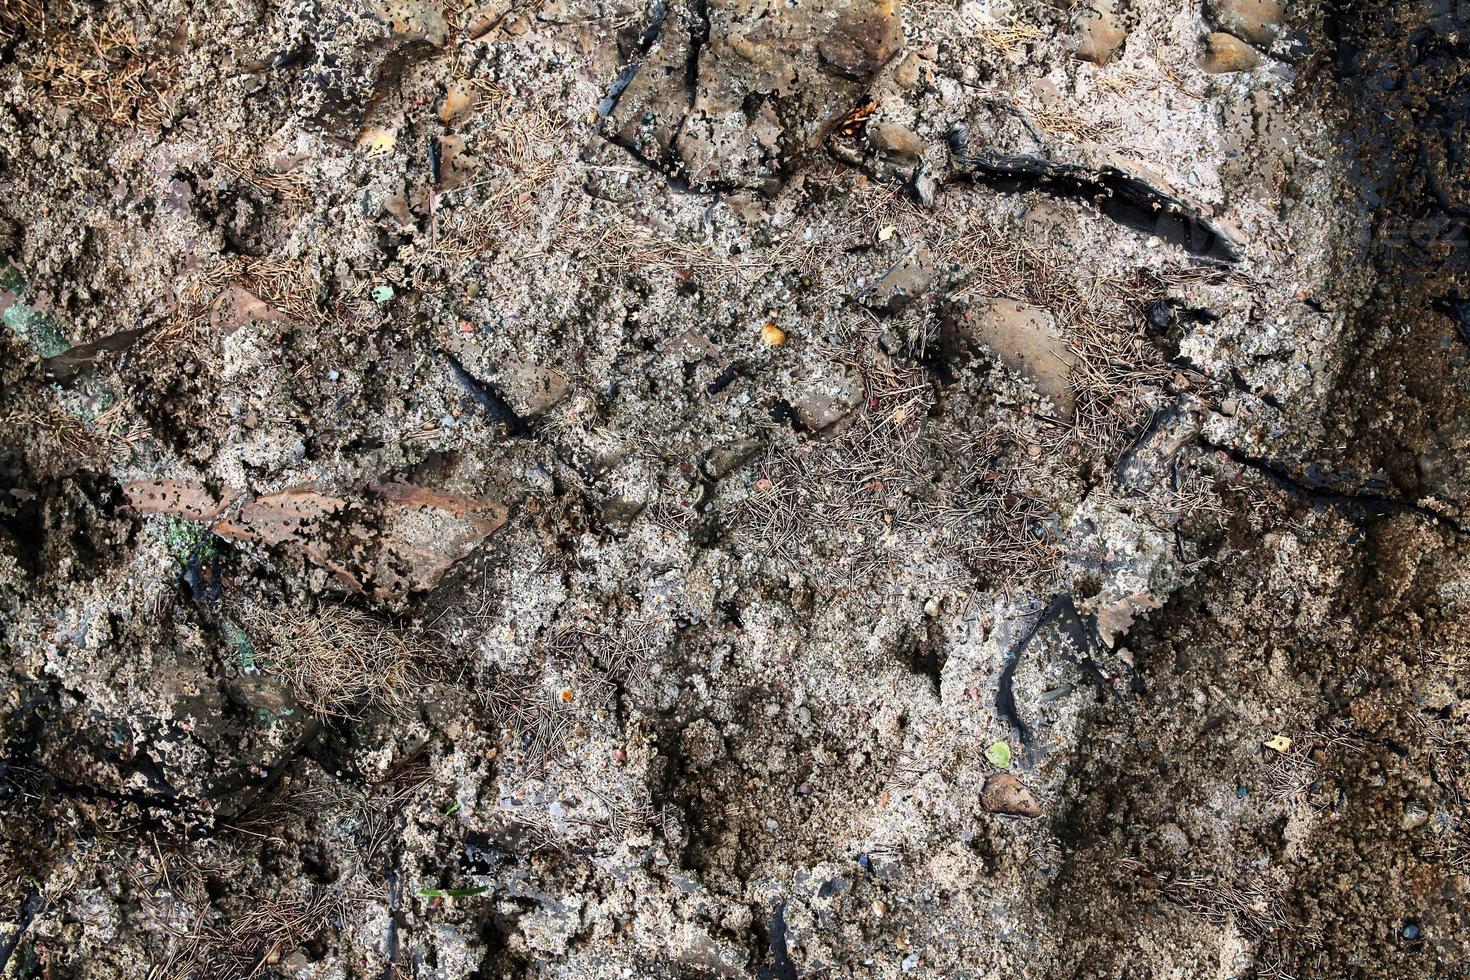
x: 773, y: 335
x: 1004, y: 793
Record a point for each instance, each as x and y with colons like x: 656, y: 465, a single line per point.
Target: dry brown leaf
x: 393, y: 539
x: 1116, y: 618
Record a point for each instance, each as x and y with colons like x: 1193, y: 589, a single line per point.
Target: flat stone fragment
x: 415, y: 20
x: 1256, y: 21
x: 905, y: 281
x: 532, y: 389
x: 897, y: 140
x: 1100, y: 33
x: 828, y: 401
x: 1025, y: 339
x: 1225, y: 53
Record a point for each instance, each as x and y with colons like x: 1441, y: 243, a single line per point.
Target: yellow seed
x: 773, y: 335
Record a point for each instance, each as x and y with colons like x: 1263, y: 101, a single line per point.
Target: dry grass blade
x: 108, y: 437
x: 98, y: 68
x: 337, y: 660
x: 291, y: 188
x: 287, y: 287
x: 1251, y: 905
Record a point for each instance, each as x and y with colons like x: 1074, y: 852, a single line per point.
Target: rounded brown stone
x: 1004, y: 793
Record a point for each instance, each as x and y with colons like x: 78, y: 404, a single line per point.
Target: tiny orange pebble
x: 773, y: 335
x: 567, y: 695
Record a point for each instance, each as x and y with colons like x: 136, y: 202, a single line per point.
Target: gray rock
x: 905, y: 281
x: 900, y: 141
x: 1026, y: 339
x: 1100, y: 32
x: 828, y: 401
x: 532, y: 389
x: 725, y: 459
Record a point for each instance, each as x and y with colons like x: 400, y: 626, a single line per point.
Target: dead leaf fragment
x: 1116, y: 618
x: 1279, y: 743
x: 390, y: 539
x: 236, y: 307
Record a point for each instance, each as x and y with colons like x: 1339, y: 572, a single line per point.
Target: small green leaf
x: 999, y: 755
